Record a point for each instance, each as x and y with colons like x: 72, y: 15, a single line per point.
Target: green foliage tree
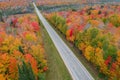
x: 25, y: 72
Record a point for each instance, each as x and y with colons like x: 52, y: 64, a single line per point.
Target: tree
x: 1, y: 15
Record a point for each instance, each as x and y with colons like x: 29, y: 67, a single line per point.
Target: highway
x: 74, y: 66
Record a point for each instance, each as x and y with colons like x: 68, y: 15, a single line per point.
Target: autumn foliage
x: 23, y: 42
x: 95, y: 31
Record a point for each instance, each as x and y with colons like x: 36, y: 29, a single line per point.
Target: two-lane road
x: 74, y: 66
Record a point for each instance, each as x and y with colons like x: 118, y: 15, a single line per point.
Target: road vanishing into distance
x: 74, y: 66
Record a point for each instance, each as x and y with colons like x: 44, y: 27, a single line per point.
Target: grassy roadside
x: 57, y: 70
x: 92, y: 69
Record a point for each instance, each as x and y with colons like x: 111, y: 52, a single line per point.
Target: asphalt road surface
x: 74, y: 66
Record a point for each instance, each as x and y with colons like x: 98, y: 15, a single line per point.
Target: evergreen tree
x: 25, y: 72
